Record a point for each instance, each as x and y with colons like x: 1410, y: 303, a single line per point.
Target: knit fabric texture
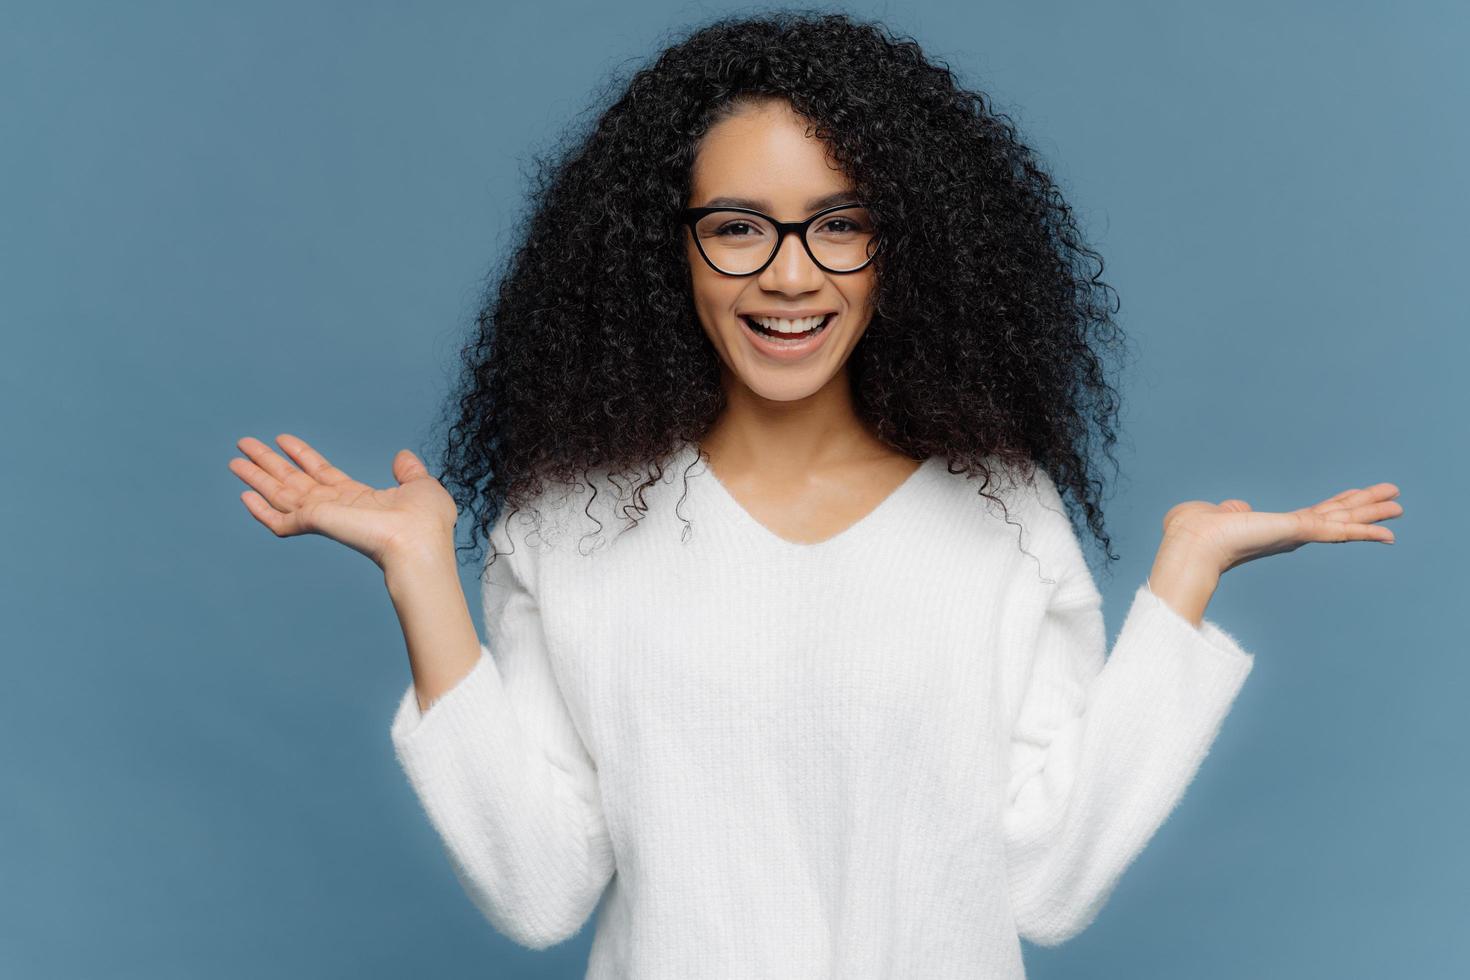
x: 893, y: 753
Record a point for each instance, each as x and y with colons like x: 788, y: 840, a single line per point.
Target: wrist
x: 1185, y: 578
x: 418, y: 561
x: 1185, y: 549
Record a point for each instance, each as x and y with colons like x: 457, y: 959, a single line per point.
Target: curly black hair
x: 989, y: 322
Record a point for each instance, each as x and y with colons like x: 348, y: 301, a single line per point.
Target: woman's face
x: 764, y: 156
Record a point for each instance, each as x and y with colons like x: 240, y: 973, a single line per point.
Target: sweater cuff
x: 453, y: 707
x: 1183, y: 678
x: 1175, y: 631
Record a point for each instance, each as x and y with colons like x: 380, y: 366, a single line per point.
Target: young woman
x: 817, y: 709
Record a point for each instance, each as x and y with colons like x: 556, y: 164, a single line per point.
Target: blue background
x: 219, y: 221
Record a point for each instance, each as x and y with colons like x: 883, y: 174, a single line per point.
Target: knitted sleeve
x: 1103, y: 748
x: 503, y: 776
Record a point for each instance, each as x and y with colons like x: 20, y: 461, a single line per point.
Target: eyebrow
x: 756, y: 204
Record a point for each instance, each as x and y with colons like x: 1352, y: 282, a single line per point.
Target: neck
x: 777, y: 437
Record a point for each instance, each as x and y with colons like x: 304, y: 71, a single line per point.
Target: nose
x: 792, y: 270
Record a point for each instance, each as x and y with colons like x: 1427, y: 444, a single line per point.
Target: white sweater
x: 893, y: 753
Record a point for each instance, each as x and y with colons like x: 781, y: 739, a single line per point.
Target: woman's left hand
x: 1231, y: 534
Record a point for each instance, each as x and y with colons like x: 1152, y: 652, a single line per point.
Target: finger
x: 1337, y: 498
x: 1367, y: 513
x: 1369, y: 532
x: 407, y: 466
x: 1361, y: 532
x: 1377, y: 492
x: 1319, y: 528
x: 267, y: 487
x: 279, y: 524
x: 267, y: 459
x: 1357, y: 497
x: 313, y: 463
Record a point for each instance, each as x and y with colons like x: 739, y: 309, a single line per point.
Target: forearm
x: 438, y: 630
x: 1185, y: 578
x: 1104, y: 747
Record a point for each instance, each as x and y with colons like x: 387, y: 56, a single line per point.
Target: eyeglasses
x: 742, y: 242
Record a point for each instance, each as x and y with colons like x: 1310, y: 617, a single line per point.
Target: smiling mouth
x: 778, y: 335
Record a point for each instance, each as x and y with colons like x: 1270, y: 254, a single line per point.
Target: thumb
x: 407, y: 466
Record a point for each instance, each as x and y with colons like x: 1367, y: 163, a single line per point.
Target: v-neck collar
x: 863, y: 527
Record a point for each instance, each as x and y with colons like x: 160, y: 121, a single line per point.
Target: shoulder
x: 1028, y: 497
x: 1011, y: 490
x: 1056, y: 538
x: 582, y: 516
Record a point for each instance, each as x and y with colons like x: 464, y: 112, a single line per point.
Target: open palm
x: 1232, y: 533
x: 314, y: 497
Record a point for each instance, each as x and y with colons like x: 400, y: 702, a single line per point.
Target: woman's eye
x: 843, y: 226
x: 725, y: 229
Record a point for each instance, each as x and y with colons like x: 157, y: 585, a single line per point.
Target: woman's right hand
x: 318, y: 498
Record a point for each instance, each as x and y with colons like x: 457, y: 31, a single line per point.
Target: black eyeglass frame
x: 691, y: 218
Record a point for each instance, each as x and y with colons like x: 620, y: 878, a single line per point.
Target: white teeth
x: 789, y: 326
